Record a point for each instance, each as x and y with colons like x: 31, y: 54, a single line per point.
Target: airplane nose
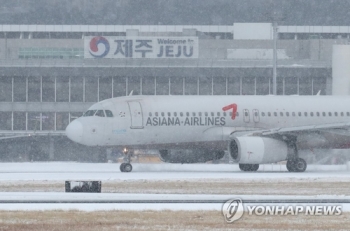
x: 74, y: 131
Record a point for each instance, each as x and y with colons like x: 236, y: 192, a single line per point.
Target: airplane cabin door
x: 246, y: 115
x: 136, y: 115
x: 256, y: 117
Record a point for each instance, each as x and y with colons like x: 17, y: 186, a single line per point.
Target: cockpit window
x: 109, y: 113
x: 100, y: 113
x: 89, y: 113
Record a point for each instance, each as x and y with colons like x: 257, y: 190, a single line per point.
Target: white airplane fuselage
x: 161, y: 122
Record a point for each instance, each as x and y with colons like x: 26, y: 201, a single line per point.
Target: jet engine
x: 189, y: 155
x: 257, y: 150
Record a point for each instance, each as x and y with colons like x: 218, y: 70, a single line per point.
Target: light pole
x: 274, y: 76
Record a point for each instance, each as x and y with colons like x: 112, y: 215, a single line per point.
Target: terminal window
x: 50, y: 53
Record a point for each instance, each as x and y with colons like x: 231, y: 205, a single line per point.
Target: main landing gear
x: 249, y: 167
x: 296, y: 165
x: 126, y: 166
x: 294, y: 162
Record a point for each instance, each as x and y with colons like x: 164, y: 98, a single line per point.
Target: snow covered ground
x: 109, y: 171
x: 15, y: 174
x: 112, y: 201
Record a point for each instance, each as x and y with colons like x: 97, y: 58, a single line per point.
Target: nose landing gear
x: 126, y: 166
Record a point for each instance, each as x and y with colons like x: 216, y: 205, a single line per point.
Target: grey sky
x: 173, y: 12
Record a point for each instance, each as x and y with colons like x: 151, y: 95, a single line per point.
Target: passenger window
x: 330, y: 113
x: 150, y: 114
x: 181, y: 114
x: 162, y: 113
x: 212, y: 114
x: 275, y: 113
x: 187, y: 114
x: 246, y: 114
x: 175, y: 114
x: 109, y: 113
x: 169, y: 114
x: 269, y: 113
x: 224, y: 114
x: 281, y: 113
x: 156, y: 114
x: 341, y: 113
x: 311, y: 114
x: 256, y: 114
x: 218, y: 113
x: 324, y: 113
x: 262, y: 113
x: 348, y: 114
x: 335, y: 113
x: 193, y: 114
x: 237, y: 114
x: 287, y: 113
x: 100, y: 113
x: 305, y: 113
x: 317, y: 113
x: 206, y: 113
x: 299, y: 113
x: 199, y: 113
x: 293, y: 113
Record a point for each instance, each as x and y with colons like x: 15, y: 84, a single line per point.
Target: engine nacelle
x: 189, y: 155
x: 257, y: 150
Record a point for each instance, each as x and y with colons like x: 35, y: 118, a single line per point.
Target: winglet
x: 319, y: 92
x: 131, y: 92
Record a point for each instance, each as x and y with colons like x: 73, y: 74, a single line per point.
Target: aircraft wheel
x: 255, y: 167
x: 300, y: 165
x: 125, y: 167
x: 249, y: 167
x: 122, y: 167
x: 242, y: 167
x: 290, y: 165
x: 296, y: 165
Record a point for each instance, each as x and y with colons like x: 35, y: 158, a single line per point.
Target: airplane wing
x: 336, y: 128
x: 299, y: 129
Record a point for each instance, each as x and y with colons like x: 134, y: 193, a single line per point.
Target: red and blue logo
x: 99, y: 47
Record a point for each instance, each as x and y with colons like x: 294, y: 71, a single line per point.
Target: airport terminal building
x: 51, y: 74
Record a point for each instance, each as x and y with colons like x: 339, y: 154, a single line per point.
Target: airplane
x: 191, y: 129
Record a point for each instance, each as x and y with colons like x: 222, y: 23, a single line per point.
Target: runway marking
x: 308, y: 201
